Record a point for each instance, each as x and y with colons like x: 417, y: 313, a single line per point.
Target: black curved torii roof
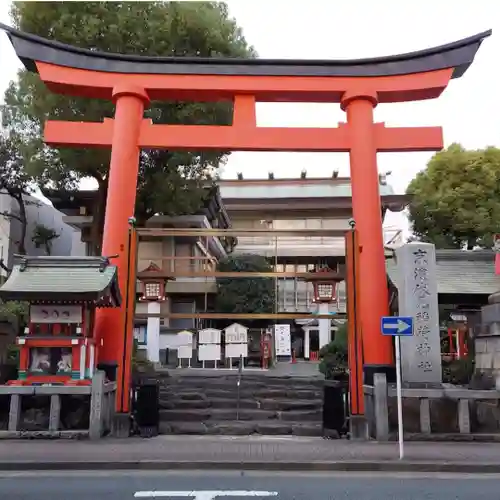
x: 457, y: 55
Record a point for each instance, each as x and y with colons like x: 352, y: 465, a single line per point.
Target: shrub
x: 333, y: 356
x: 458, y: 371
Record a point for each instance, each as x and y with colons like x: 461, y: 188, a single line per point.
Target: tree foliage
x: 43, y: 237
x: 456, y: 199
x: 334, y: 356
x: 245, y: 295
x: 170, y: 183
x: 17, y: 183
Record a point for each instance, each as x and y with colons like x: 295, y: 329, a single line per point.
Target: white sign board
x: 55, y: 314
x: 236, y: 350
x: 282, y: 340
x: 209, y: 352
x: 418, y: 298
x: 236, y: 334
x: 209, y: 336
x: 185, y: 352
x: 185, y: 338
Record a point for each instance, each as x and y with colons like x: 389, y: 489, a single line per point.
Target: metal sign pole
x: 238, y: 383
x: 399, y: 397
x: 397, y: 326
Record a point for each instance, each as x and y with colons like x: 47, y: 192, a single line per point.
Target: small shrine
x: 58, y: 346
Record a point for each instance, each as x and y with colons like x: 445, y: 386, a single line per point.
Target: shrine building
x: 272, y: 203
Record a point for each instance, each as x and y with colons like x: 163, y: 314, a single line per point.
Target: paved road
x: 232, y: 486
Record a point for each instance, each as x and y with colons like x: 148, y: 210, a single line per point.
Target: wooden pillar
x: 120, y: 206
x: 367, y: 212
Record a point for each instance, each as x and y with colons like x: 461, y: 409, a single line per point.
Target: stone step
x: 219, y: 414
x: 218, y: 384
x: 301, y: 416
x: 184, y: 404
x: 239, y: 428
x: 176, y: 403
x: 290, y: 404
x: 202, y: 415
x: 231, y: 403
x: 244, y: 393
x: 244, y: 386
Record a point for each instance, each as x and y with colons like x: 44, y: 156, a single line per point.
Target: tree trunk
x: 99, y: 212
x: 23, y: 220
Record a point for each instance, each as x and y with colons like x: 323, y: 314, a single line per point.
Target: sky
x: 468, y: 110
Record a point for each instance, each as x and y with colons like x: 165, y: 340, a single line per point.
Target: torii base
x: 121, y: 425
x: 358, y: 428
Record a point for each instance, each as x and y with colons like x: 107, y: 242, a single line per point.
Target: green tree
x: 245, y: 295
x: 16, y: 183
x: 43, y: 237
x: 456, y: 199
x: 169, y: 183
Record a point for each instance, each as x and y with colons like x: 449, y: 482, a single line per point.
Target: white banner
x: 282, y: 340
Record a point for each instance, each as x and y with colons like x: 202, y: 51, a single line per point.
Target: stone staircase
x: 192, y: 403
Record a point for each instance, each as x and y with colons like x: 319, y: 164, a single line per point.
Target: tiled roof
x: 63, y: 279
x: 320, y: 189
x: 461, y: 272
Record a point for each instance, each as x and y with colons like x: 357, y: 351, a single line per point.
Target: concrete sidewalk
x: 247, y: 453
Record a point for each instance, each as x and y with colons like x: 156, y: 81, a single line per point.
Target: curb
x: 351, y: 466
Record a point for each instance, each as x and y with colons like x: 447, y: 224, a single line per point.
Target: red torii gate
x: 358, y: 85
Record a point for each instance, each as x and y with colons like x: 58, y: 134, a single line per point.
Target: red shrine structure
x: 59, y: 346
x: 131, y: 82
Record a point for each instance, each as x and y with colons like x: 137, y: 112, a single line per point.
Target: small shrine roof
x: 154, y: 272
x: 63, y: 280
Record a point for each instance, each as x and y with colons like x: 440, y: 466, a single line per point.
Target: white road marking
x: 204, y: 495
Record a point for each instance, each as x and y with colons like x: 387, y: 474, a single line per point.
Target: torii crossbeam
x: 358, y: 85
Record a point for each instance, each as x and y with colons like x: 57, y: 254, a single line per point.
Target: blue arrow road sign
x: 397, y: 325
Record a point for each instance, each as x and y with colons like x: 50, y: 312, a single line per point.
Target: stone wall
x: 35, y: 413
x: 484, y: 416
x: 487, y: 339
x: 487, y: 347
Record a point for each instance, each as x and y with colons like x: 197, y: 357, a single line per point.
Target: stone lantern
x: 152, y: 283
x: 152, y: 289
x: 325, y: 283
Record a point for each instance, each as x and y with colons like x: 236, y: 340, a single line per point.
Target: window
x: 325, y: 291
x: 152, y: 289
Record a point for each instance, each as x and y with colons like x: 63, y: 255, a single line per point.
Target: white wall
x: 38, y: 213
